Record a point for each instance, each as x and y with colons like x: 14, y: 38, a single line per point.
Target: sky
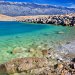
x: 67, y: 3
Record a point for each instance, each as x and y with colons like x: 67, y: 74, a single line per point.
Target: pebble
x: 60, y: 66
x: 45, y: 52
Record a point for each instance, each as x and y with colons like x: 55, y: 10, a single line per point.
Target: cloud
x: 72, y: 6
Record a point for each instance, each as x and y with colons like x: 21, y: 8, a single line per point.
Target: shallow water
x: 16, y: 34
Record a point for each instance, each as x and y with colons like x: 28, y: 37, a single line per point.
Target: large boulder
x: 23, y: 64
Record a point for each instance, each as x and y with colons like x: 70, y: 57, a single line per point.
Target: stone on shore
x: 22, y: 64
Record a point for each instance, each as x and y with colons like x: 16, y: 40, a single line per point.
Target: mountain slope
x: 22, y: 8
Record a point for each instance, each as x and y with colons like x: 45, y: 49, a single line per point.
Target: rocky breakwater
x: 65, y: 20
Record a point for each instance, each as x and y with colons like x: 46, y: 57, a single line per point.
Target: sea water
x: 17, y: 34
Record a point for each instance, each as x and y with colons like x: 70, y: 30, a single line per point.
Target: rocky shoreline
x: 44, y: 61
x: 64, y: 20
x: 37, y: 66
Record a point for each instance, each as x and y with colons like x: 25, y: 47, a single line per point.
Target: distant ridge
x: 23, y: 8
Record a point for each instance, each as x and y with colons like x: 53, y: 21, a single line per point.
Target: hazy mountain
x: 23, y: 8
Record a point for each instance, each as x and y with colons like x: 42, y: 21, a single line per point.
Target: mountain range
x: 23, y: 8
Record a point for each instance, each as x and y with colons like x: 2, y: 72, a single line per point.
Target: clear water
x: 16, y: 34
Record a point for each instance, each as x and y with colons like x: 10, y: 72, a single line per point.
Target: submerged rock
x: 45, y: 52
x: 35, y: 53
x: 18, y: 50
x: 60, y: 32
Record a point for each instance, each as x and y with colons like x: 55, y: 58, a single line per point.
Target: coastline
x: 49, y: 58
x: 37, y: 37
x: 64, y: 20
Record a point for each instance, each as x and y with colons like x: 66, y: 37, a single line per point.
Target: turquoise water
x: 23, y: 35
